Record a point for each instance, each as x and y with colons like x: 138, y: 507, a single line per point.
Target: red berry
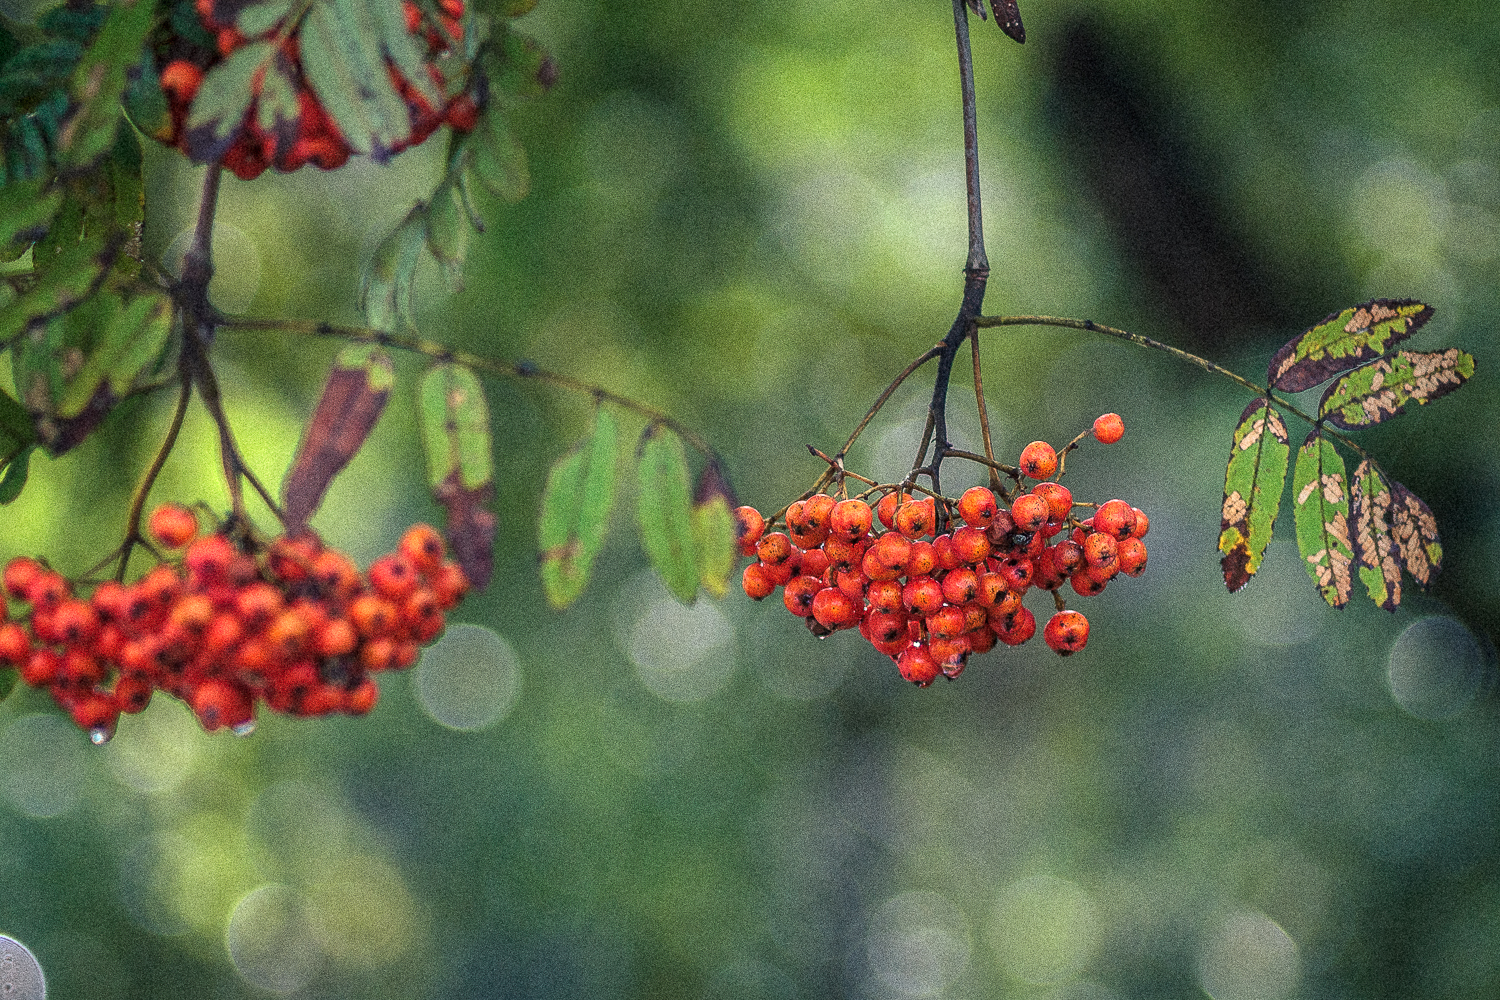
x: 1059, y: 500
x: 1109, y: 428
x: 422, y: 544
x: 1132, y: 557
x: 1115, y: 517
x: 1030, y: 512
x: 917, y: 666
x: 1038, y: 460
x: 1015, y: 629
x: 750, y: 525
x: 916, y: 518
x: 977, y: 506
x: 1067, y: 632
x: 757, y: 582
x: 850, y: 520
x: 173, y: 525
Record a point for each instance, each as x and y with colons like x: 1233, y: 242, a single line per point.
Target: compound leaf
x: 1375, y: 549
x: 1345, y: 340
x: 1320, y: 508
x: 353, y: 398
x: 1253, y: 483
x: 1381, y: 390
x: 1415, y: 533
x: 576, y: 504
x: 664, y: 511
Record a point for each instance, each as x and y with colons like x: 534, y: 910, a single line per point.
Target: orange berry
x: 393, y: 576
x: 19, y: 574
x: 1059, y: 500
x: 335, y: 637
x: 1132, y: 556
x: 916, y: 665
x: 1038, y: 460
x: 424, y: 547
x: 1014, y: 629
x: 757, y: 582
x: 1115, y: 517
x: 1030, y: 512
x: 916, y: 518
x: 222, y: 703
x: 799, y: 593
x: 977, y: 506
x: 1109, y: 428
x: 834, y: 609
x: 749, y: 525
x: 173, y: 525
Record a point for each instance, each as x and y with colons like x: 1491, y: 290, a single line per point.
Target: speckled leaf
x: 99, y: 82
x: 1008, y: 16
x: 1344, y: 341
x: 345, y: 44
x: 576, y: 503
x: 128, y: 343
x: 455, y: 423
x: 1415, y: 533
x: 715, y: 531
x: 1381, y: 390
x: 1375, y: 550
x: 1320, y: 507
x: 1253, y: 483
x: 664, y: 512
x: 354, y: 396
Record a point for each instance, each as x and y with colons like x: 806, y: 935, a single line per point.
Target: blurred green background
x: 751, y: 215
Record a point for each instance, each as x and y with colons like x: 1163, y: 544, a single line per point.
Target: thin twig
x: 984, y: 416
x: 1176, y: 352
x: 441, y: 352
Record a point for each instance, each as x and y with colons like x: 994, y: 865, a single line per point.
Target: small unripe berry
x: 1109, y: 428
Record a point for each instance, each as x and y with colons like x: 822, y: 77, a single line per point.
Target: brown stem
x: 138, y: 501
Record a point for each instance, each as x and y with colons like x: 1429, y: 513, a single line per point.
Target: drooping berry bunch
x: 293, y: 624
x: 312, y: 136
x: 930, y: 600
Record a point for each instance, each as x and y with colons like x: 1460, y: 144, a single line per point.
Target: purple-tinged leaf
x: 1345, y: 340
x: 1375, y: 549
x: 1415, y: 532
x: 1382, y: 390
x: 353, y: 398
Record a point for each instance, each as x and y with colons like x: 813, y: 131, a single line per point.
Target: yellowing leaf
x: 1253, y: 482
x: 576, y: 504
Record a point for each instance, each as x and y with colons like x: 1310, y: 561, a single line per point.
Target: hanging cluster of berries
x: 295, y: 625
x: 929, y: 601
x: 312, y: 136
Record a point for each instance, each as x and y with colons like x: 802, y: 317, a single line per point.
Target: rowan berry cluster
x: 293, y: 624
x: 929, y: 599
x: 313, y: 137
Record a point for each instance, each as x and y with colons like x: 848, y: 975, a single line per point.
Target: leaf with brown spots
x: 1382, y: 390
x: 1253, y: 483
x: 1375, y: 549
x: 1415, y: 533
x: 1345, y: 340
x: 1320, y: 508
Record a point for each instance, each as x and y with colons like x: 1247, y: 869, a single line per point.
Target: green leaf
x: 576, y: 504
x: 25, y: 213
x: 343, y: 57
x: 131, y: 340
x: 663, y: 510
x: 448, y: 232
x: 1375, y: 550
x: 1345, y: 340
x: 1381, y: 390
x: 1320, y: 496
x: 404, y: 51
x: 497, y: 160
x: 714, y: 538
x: 455, y: 424
x: 1414, y: 531
x: 16, y: 428
x: 259, y: 17
x: 386, y: 288
x: 100, y: 79
x: 1253, y: 483
x: 8, y: 677
x: 14, y: 479
x: 218, y: 111
x: 66, y: 280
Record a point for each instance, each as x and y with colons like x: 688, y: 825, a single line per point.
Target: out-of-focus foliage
x: 751, y: 215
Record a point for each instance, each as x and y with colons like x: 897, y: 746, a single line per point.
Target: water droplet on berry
x: 244, y: 728
x: 100, y: 735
